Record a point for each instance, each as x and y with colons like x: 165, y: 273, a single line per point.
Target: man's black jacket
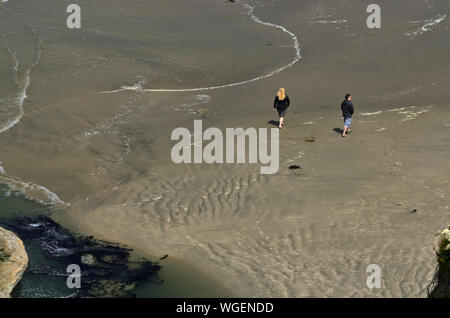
x: 347, y: 109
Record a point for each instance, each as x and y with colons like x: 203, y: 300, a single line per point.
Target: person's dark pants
x: 281, y: 113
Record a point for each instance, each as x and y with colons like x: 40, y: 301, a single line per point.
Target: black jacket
x: 281, y: 104
x: 347, y: 109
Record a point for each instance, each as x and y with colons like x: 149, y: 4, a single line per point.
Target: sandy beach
x: 102, y: 102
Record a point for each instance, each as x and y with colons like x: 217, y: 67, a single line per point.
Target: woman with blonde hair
x: 281, y: 104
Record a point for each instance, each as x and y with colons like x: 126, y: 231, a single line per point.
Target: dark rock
x: 106, y: 269
x: 13, y: 261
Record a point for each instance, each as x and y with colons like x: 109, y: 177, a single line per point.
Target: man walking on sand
x: 347, y: 112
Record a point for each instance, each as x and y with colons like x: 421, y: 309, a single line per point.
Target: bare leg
x: 344, y: 131
x: 281, y: 122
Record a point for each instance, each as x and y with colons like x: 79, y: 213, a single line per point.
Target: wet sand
x: 307, y: 232
x: 310, y: 232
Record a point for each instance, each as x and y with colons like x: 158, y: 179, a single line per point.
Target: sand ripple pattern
x: 291, y: 235
x: 270, y: 252
x: 174, y: 203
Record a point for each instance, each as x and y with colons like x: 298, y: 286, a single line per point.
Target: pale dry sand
x: 300, y: 233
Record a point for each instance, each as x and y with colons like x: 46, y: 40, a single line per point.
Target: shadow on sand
x: 274, y: 122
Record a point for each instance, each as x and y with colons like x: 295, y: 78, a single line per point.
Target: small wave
x: 397, y: 109
x: 428, y: 26
x: 193, y: 107
x: 411, y: 115
x: 203, y: 98
x: 371, y: 114
x: 33, y: 191
x: 328, y: 21
x: 24, y: 82
x: 250, y: 13
x: 138, y: 85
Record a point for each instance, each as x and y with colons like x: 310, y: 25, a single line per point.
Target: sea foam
x: 33, y: 191
x: 250, y: 13
x: 429, y: 25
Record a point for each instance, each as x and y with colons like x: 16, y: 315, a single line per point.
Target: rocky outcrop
x: 13, y: 261
x: 440, y: 286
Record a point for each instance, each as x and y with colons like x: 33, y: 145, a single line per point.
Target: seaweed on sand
x: 106, y: 268
x: 440, y: 285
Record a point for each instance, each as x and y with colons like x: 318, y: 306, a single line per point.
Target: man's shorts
x: 347, y: 122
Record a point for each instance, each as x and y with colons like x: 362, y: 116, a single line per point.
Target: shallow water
x: 13, y: 205
x: 178, y: 280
